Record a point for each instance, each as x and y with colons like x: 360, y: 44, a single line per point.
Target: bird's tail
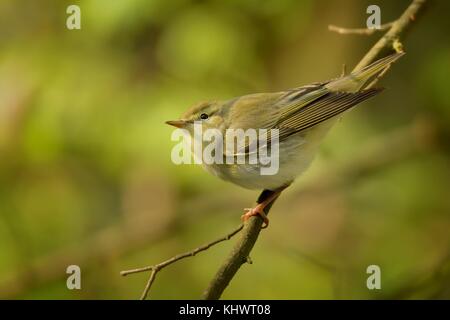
x: 356, y: 80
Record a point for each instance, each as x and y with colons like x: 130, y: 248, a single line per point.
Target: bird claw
x: 256, y: 211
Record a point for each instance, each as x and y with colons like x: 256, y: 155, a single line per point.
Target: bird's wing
x: 325, y: 107
x: 264, y: 110
x: 302, y: 108
x: 294, y: 111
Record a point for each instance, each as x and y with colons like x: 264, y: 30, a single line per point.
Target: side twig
x: 158, y: 267
x: 360, y: 31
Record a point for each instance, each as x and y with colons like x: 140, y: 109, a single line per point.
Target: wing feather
x: 324, y: 108
x: 302, y: 108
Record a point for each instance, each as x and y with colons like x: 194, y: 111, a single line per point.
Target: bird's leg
x: 259, y: 208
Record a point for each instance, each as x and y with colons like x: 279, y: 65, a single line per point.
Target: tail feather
x: 356, y: 80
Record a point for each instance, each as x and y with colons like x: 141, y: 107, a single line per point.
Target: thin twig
x: 149, y: 283
x: 158, y: 267
x: 360, y: 31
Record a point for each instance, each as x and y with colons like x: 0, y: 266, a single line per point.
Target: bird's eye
x: 203, y: 116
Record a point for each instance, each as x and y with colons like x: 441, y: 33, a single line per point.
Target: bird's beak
x: 177, y: 123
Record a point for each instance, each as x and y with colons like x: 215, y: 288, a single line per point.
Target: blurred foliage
x: 85, y: 170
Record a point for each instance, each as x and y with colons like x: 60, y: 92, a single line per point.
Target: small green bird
x: 302, y: 116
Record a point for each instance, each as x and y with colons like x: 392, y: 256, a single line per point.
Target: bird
x: 302, y: 117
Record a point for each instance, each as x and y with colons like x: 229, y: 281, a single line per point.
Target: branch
x: 239, y: 254
x: 399, y: 27
x: 252, y: 227
x: 158, y: 267
x: 360, y: 31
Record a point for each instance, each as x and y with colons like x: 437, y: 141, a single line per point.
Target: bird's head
x: 209, y: 114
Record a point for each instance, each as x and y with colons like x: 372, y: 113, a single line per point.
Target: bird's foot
x: 258, y: 210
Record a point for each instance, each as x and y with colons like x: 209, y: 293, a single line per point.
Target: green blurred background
x: 85, y: 170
